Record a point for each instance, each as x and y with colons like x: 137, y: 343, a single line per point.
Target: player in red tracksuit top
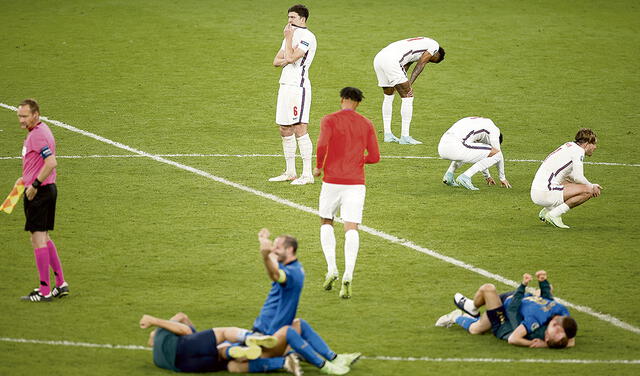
x: 344, y: 138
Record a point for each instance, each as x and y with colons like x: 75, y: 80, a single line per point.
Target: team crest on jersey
x: 535, y: 326
x: 305, y: 43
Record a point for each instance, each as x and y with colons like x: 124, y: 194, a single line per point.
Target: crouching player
x: 521, y: 318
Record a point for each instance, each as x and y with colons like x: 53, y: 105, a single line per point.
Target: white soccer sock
x: 483, y: 164
x: 454, y: 166
x: 559, y: 210
x: 289, y: 148
x: 406, y: 112
x: 306, y: 150
x: 328, y: 243
x: 387, y: 111
x: 351, y: 246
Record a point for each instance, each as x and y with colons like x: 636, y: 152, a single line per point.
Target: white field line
x: 384, y: 358
x: 280, y: 156
x: 391, y: 238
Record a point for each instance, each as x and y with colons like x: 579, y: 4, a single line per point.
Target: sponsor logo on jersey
x: 305, y: 43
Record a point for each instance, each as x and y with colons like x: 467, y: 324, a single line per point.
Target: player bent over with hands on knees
x: 521, y: 318
x: 560, y: 184
x: 277, y: 316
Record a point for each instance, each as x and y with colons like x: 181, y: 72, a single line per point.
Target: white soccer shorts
x: 547, y: 198
x: 294, y: 103
x: 454, y: 150
x: 348, y: 198
x: 389, y: 71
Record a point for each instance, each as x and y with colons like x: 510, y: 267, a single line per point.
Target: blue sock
x: 303, y: 348
x: 465, y: 322
x: 318, y: 344
x: 266, y: 364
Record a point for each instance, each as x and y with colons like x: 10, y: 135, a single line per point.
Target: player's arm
x: 516, y: 300
x: 487, y: 177
x: 269, y: 258
x: 424, y: 59
x: 373, y: 149
x: 174, y: 327
x: 50, y: 163
x: 279, y: 60
x: 291, y: 55
x: 545, y: 286
x: 578, y: 175
x: 517, y: 338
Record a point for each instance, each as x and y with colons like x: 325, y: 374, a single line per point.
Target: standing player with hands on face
x: 39, y: 176
x: 294, y: 96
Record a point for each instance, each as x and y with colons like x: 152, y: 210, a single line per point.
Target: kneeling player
x: 522, y: 319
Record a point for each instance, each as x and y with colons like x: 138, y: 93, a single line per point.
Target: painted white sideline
x: 391, y: 238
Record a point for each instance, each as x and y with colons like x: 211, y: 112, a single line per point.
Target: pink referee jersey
x: 38, y: 146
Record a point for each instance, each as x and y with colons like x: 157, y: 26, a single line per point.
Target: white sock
x: 559, y: 210
x: 306, y: 150
x: 406, y: 112
x: 387, y: 110
x: 328, y: 243
x: 242, y: 335
x: 289, y: 148
x: 351, y: 246
x: 454, y: 166
x: 483, y: 164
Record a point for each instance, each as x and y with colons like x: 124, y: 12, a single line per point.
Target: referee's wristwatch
x: 36, y: 183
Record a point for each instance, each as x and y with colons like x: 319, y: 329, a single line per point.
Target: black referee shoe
x: 60, y: 292
x: 35, y: 296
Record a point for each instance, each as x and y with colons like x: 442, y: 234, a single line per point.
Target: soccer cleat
x: 36, y: 296
x: 284, y: 177
x: 408, y: 140
x: 329, y: 280
x: 245, y: 352
x: 465, y: 181
x: 465, y: 305
x: 542, y: 214
x: 555, y: 221
x: 292, y: 364
x: 449, y: 319
x: 267, y: 342
x: 449, y: 180
x: 60, y: 292
x: 346, y: 360
x: 333, y: 369
x: 302, y: 180
x: 389, y: 137
x: 345, y: 290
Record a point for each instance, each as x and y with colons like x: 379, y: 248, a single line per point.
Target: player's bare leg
x: 573, y: 195
x: 406, y: 112
x: 387, y: 111
x: 328, y: 243
x: 306, y: 151
x: 289, y: 149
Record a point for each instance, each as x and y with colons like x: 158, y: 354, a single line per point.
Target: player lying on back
x: 521, y: 318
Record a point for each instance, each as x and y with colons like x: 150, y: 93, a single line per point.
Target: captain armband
x: 283, y: 276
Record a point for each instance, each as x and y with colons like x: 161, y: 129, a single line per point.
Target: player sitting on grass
x: 178, y: 347
x: 521, y: 318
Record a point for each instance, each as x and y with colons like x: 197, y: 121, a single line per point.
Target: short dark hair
x: 501, y: 138
x: 570, y: 326
x: 33, y: 105
x: 352, y: 93
x: 301, y: 10
x: 561, y: 344
x: 586, y: 135
x: 441, y: 54
x: 290, y: 241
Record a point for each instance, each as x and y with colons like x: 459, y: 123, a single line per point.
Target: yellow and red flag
x: 13, y: 198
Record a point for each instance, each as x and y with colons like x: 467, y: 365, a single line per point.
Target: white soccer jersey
x: 297, y: 73
x: 408, y: 50
x: 562, y: 164
x: 473, y: 129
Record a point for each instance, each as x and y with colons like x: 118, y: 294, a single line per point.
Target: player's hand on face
x: 537, y: 343
x: 317, y: 171
x: 490, y: 181
x: 541, y: 275
x: 526, y: 278
x: 288, y: 31
x: 505, y: 183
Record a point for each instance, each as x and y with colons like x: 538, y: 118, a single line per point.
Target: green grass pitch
x: 195, y: 77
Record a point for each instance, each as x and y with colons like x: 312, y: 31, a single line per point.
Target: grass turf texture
x: 136, y: 236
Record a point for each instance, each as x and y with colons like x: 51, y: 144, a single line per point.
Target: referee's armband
x: 283, y: 276
x: 45, y: 152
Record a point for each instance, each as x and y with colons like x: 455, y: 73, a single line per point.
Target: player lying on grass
x: 521, y: 318
x: 177, y: 346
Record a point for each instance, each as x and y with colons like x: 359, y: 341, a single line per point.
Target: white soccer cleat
x: 390, y: 137
x: 284, y: 177
x: 346, y: 360
x: 446, y: 321
x: 302, y: 180
x: 555, y: 221
x: 542, y: 214
x: 449, y: 180
x: 292, y: 364
x: 465, y: 305
x: 465, y: 181
x: 408, y: 140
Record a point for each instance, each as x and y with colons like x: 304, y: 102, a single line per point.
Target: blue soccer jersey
x: 537, y: 312
x: 282, y: 302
